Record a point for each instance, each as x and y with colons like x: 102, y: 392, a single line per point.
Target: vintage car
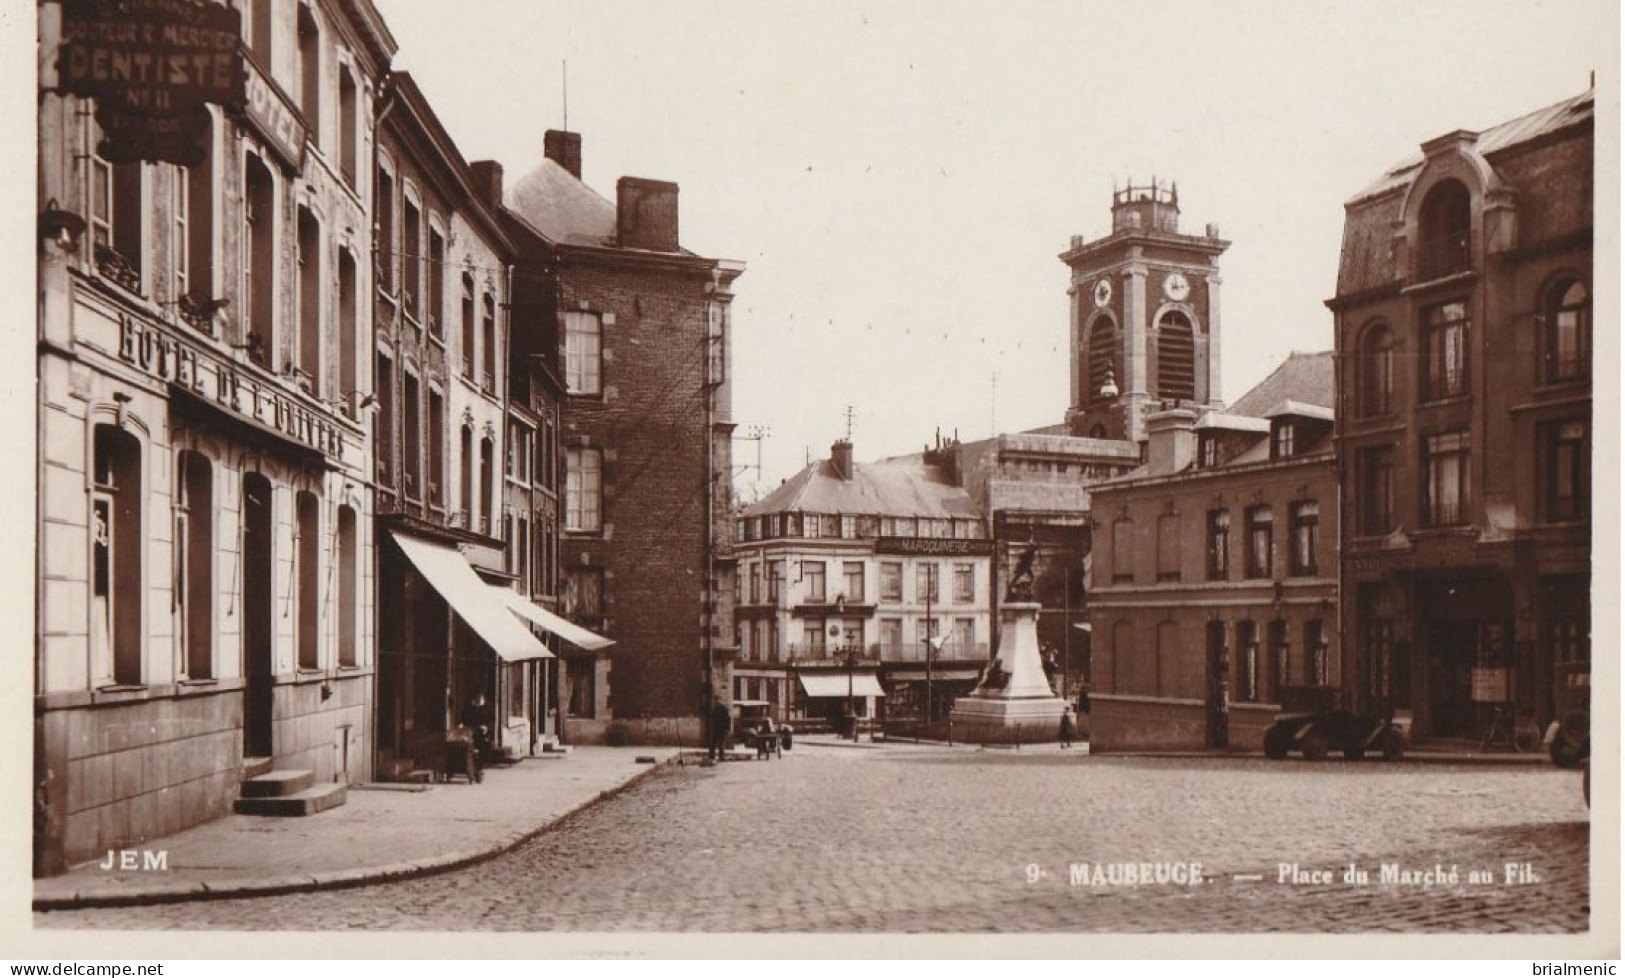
x: 1568, y: 739
x: 753, y: 727
x: 1311, y: 724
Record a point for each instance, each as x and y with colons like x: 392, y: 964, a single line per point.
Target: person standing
x: 1068, y: 728
x: 720, y: 727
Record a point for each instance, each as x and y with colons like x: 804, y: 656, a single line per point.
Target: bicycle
x: 1521, y: 734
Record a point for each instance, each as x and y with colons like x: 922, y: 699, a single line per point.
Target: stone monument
x: 1013, y: 703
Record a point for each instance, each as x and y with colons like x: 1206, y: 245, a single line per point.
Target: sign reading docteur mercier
x: 151, y: 66
x: 223, y: 384
x: 933, y: 547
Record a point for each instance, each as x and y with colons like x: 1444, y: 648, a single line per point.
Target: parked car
x: 1568, y: 739
x: 1311, y: 724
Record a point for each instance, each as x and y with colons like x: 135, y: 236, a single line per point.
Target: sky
x: 900, y: 177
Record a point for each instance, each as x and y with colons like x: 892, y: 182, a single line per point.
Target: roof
x: 562, y: 208
x: 1525, y: 128
x: 1305, y: 378
x: 904, y: 486
x: 1297, y: 409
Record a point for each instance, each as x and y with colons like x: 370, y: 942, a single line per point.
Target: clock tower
x: 1145, y: 316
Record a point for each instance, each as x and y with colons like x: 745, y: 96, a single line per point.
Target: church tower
x: 1145, y: 316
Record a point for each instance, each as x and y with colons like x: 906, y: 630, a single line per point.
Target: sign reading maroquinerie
x: 225, y: 385
x: 933, y: 547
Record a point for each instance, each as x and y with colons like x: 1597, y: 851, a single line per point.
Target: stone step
x: 253, y: 767
x: 273, y: 784
x: 306, y: 802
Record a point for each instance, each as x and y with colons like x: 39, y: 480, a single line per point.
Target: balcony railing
x: 1444, y: 254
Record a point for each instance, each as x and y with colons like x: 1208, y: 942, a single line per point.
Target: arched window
x: 1102, y: 359
x: 1176, y: 357
x: 1375, y: 372
x: 1445, y: 230
x: 116, y: 566
x: 488, y: 499
x: 1565, y: 323
x: 194, y: 564
x: 465, y: 496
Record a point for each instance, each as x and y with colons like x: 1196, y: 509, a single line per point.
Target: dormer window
x: 1207, y: 450
x: 1445, y: 231
x: 1281, y: 439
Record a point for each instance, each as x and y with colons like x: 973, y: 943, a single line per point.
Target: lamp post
x: 930, y: 592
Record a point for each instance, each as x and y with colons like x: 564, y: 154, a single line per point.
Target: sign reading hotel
x: 269, y: 112
x: 151, y: 66
x: 226, y: 386
x: 933, y: 547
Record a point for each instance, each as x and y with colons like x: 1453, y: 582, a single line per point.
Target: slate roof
x: 1302, y: 377
x: 1520, y: 130
x: 561, y: 207
x: 904, y: 486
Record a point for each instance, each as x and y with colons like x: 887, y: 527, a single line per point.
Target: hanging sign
x: 152, y: 66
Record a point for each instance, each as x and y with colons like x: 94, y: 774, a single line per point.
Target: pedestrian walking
x: 720, y: 727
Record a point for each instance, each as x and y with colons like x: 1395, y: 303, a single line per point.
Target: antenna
x: 849, y: 422
x: 993, y: 405
x: 566, y: 71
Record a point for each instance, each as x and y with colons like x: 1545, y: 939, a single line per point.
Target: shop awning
x: 535, y: 613
x: 835, y: 684
x: 449, y: 573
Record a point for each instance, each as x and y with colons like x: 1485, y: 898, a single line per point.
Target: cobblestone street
x: 919, y: 839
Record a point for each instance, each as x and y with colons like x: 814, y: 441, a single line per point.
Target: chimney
x: 646, y: 214
x: 564, y: 148
x: 1171, y: 441
x: 487, y: 181
x: 840, y: 455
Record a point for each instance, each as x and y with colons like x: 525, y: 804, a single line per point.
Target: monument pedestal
x: 1014, y: 703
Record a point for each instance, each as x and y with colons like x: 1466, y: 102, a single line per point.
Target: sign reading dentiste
x: 152, y: 66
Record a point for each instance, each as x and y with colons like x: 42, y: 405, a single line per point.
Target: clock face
x: 1103, y: 292
x: 1175, y: 287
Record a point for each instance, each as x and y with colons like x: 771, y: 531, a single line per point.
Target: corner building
x: 205, y: 545
x: 1463, y: 313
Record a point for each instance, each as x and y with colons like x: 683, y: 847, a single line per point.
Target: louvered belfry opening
x: 1176, y: 358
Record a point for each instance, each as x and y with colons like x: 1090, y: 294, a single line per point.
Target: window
x: 348, y: 327
x: 259, y: 259
x: 1305, y: 517
x: 1260, y: 542
x: 1218, y: 544
x: 194, y: 564
x: 310, y: 71
x: 716, y: 345
x: 1375, y: 367
x: 435, y: 493
x: 180, y: 235
x: 411, y: 439
x: 964, y: 583
x: 488, y: 487
x: 583, y: 490
x: 468, y: 326
x: 925, y: 583
x: 1176, y: 358
x: 384, y: 219
x: 348, y: 130
x: 754, y: 596
x: 853, y: 572
x: 812, y: 576
x: 1445, y: 479
x: 488, y: 335
x: 582, y: 353
x: 583, y: 687
x: 383, y: 431
x: 1102, y: 359
x: 433, y: 312
x: 1279, y: 673
x: 311, y: 352
x: 260, y: 31
x: 411, y: 257
x: 775, y: 575
x: 1207, y: 450
x: 849, y: 527
x: 1247, y: 679
x: 891, y: 638
x: 1444, y: 340
x: 1375, y: 475
x: 465, y: 486
x: 812, y: 635
x: 1282, y: 438
x: 346, y: 556
x: 891, y: 581
x: 1565, y: 343
x: 1122, y: 549
x: 962, y: 640
x: 583, y: 596
x: 1168, y: 547
x: 1445, y: 226
x: 1316, y: 652
x: 307, y: 548
x: 1565, y: 470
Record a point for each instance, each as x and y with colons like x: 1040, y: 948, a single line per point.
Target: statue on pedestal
x: 1021, y: 579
